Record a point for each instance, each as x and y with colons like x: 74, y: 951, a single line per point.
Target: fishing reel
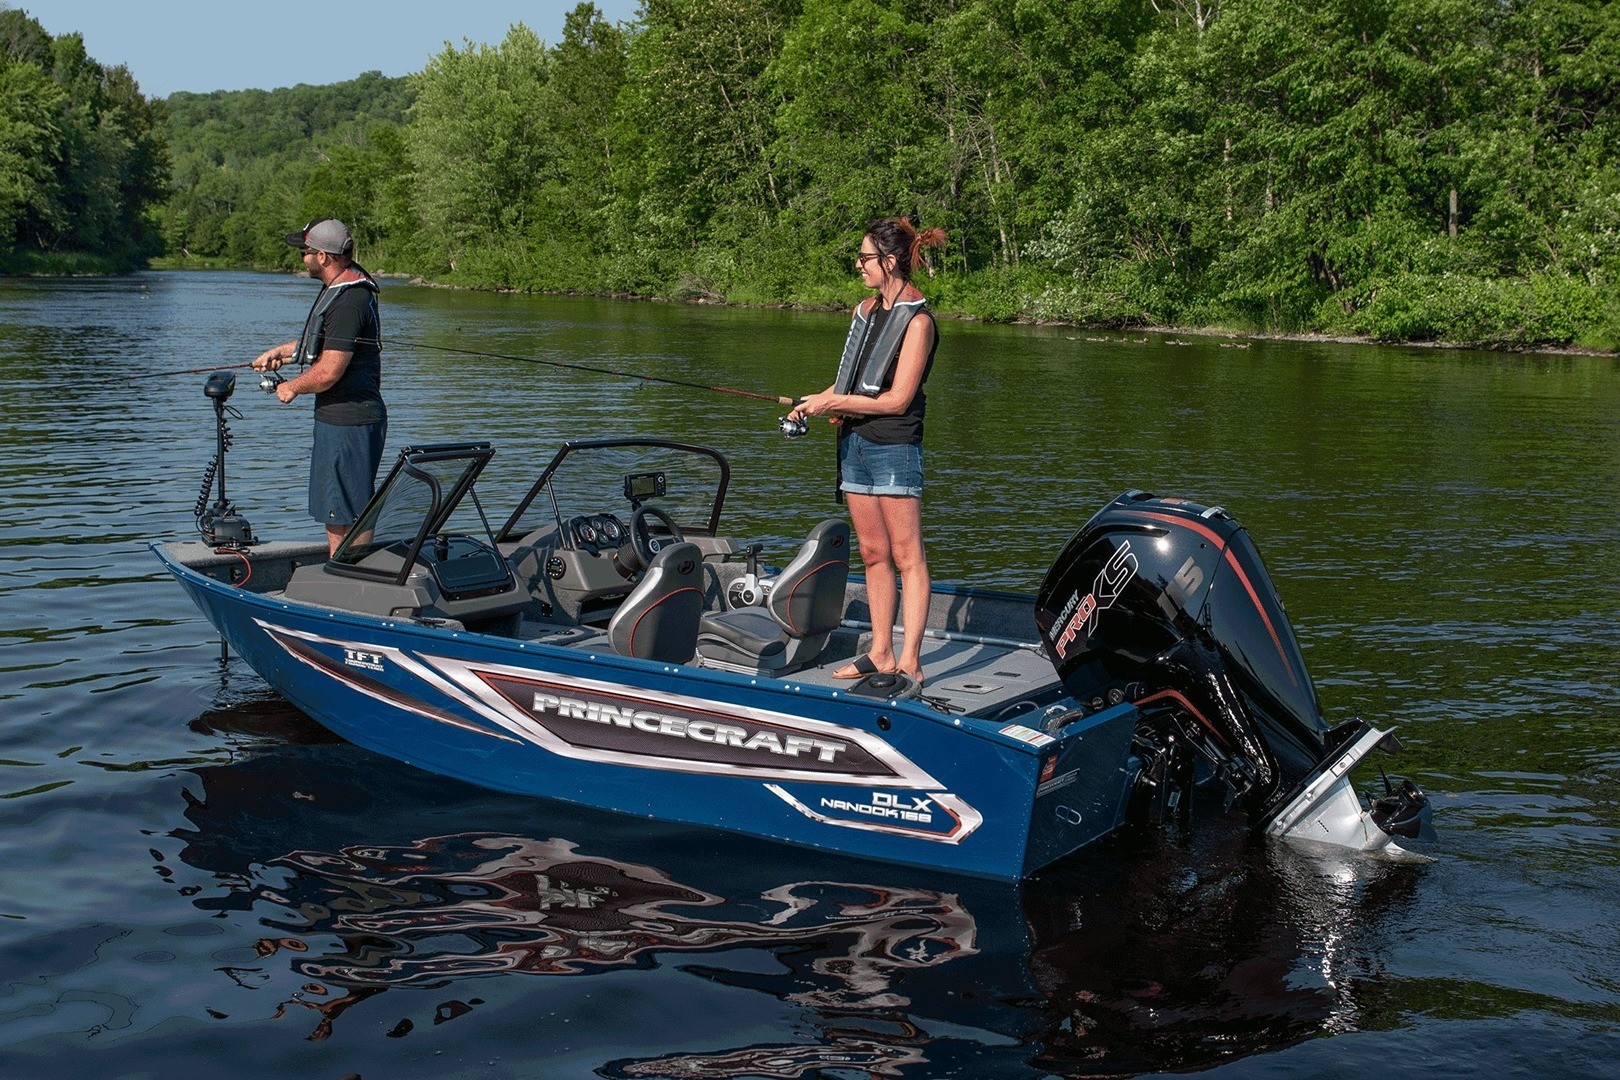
x: 792, y: 428
x: 269, y: 380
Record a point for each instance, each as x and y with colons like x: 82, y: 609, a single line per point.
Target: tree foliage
x: 251, y: 164
x: 82, y: 158
x: 1414, y: 169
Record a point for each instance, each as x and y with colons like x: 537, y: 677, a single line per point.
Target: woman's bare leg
x: 882, y: 590
x: 902, y: 527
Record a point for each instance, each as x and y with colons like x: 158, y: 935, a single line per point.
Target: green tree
x: 243, y: 159
x: 81, y: 156
x: 478, y: 138
x: 698, y: 125
x: 30, y: 105
x: 573, y: 226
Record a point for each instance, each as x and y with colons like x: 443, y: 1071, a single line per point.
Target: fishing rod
x: 190, y: 371
x: 756, y: 395
x: 789, y: 427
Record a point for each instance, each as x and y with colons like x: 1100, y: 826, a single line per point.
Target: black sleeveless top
x: 906, y: 427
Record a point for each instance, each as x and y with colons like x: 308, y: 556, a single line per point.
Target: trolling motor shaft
x: 220, y: 524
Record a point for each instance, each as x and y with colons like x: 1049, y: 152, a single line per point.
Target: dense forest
x: 250, y: 165
x: 82, y: 156
x: 1401, y: 169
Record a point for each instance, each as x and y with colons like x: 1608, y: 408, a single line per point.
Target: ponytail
x: 897, y: 236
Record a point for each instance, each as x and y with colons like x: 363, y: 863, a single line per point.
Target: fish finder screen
x: 639, y: 487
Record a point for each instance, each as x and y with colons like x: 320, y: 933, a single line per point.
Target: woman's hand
x: 816, y: 405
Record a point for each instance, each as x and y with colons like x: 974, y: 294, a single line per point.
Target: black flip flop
x: 863, y: 666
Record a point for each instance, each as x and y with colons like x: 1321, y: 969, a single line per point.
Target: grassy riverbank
x: 1543, y: 313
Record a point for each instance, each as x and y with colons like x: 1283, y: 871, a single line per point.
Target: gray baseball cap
x: 323, y: 234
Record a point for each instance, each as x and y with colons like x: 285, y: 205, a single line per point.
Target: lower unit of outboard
x: 1168, y: 603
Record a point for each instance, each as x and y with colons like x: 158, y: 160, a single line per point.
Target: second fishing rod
x: 787, y: 425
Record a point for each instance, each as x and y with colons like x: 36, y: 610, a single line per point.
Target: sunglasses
x: 865, y: 257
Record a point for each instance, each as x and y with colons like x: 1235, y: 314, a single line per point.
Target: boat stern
x: 1083, y: 781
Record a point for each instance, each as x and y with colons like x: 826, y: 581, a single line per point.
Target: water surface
x: 195, y: 875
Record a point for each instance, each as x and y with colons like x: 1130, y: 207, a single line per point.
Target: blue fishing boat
x: 608, y: 644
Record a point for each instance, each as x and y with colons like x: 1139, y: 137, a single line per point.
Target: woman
x: 878, y: 403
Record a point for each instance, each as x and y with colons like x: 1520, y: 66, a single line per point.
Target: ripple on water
x: 199, y: 873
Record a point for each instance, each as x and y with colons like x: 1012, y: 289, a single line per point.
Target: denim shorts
x: 869, y: 468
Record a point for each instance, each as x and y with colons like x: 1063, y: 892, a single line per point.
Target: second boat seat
x: 659, y: 619
x: 801, y: 610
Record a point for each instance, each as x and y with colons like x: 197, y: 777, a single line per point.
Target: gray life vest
x: 875, y: 373
x: 309, y: 341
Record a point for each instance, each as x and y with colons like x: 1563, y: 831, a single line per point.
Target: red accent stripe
x: 652, y: 609
x: 1189, y: 707
x: 806, y: 577
x: 1272, y: 630
x: 1213, y: 537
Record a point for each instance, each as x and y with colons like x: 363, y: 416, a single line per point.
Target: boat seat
x: 802, y: 607
x: 659, y: 619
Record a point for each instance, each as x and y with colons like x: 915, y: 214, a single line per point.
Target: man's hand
x: 284, y: 391
x: 271, y: 359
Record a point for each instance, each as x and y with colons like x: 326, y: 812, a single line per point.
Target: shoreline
x: 1247, y: 336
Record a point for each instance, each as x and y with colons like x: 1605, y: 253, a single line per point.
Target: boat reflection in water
x: 1146, y: 955
x: 453, y: 907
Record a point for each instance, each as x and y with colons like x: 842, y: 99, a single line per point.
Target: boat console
x: 408, y: 557
x: 452, y: 577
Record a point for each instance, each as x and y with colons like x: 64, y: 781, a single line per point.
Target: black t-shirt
x: 352, y: 324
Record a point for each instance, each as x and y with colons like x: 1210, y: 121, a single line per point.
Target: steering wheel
x: 642, y: 543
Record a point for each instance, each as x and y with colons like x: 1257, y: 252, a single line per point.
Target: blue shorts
x: 343, y: 469
x: 869, y: 468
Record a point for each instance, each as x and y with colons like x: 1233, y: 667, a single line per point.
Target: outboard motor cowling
x: 1167, y: 602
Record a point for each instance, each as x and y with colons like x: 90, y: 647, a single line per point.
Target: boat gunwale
x: 979, y: 727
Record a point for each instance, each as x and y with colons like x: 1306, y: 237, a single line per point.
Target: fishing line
x: 788, y: 427
x: 756, y: 395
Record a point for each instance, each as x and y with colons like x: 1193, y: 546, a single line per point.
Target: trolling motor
x: 220, y: 524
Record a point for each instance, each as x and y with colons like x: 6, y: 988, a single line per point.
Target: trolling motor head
x: 220, y: 524
x: 219, y: 387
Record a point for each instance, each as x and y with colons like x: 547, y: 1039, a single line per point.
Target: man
x: 342, y: 366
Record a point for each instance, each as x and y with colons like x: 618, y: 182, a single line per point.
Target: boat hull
x: 807, y: 764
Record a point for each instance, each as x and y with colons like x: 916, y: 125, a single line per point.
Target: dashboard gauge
x: 612, y: 531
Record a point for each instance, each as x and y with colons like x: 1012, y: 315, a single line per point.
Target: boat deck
x: 963, y: 676
x: 980, y: 654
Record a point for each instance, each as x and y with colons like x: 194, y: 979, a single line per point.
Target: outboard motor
x: 1167, y: 603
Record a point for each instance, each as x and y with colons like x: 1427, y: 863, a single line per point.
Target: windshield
x: 416, y: 493
x: 592, y: 478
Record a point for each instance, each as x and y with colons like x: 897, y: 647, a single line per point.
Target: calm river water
x: 194, y: 877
